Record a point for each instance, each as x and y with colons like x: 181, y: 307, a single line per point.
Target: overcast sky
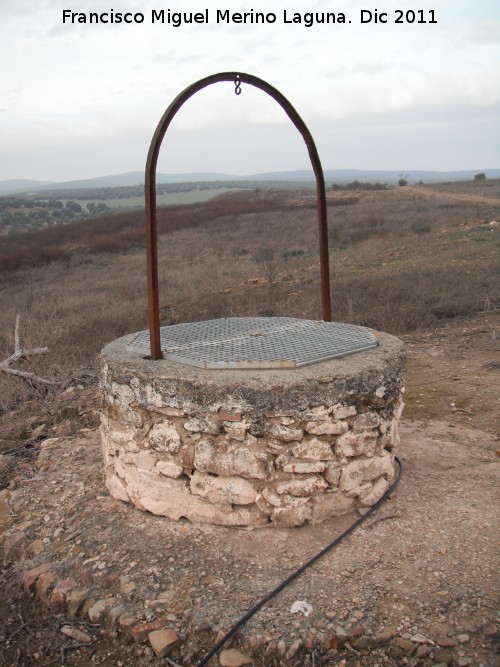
x: 79, y: 101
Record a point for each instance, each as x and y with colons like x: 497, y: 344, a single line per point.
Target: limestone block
x: 169, y: 469
x: 286, y: 434
x: 365, y: 421
x: 202, y: 425
x: 304, y: 467
x: 168, y: 412
x: 234, y: 490
x: 398, y: 408
x: 307, y: 486
x: 146, y: 394
x: 164, y: 437
x: 330, y: 427
x: 366, y: 470
x: 356, y: 444
x: 392, y: 435
x: 144, y: 459
x: 320, y: 413
x: 159, y: 487
x: 122, y: 397
x: 117, y: 488
x: 313, y: 450
x: 291, y: 516
x: 377, y: 491
x: 284, y: 500
x: 236, y: 430
x: 327, y: 505
x: 194, y: 508
x: 227, y: 459
x: 332, y: 474
x: 362, y: 490
x: 342, y: 411
x: 120, y: 467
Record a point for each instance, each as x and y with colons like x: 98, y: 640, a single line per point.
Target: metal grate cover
x: 256, y: 342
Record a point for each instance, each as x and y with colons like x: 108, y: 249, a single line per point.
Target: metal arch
x: 150, y: 193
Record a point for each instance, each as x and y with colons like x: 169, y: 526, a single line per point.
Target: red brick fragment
x: 140, y: 632
x: 58, y: 597
x: 30, y: 578
x: 44, y: 585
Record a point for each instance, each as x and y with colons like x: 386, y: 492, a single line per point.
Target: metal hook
x: 237, y: 85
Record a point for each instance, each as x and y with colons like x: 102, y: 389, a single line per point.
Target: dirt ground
x: 414, y: 585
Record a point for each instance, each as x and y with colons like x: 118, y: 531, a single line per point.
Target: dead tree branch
x: 19, y: 355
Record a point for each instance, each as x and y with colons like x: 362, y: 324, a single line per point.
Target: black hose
x: 302, y: 569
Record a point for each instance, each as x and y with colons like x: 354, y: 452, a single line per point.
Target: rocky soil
x: 415, y: 585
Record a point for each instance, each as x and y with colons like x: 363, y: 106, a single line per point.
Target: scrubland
x: 401, y: 259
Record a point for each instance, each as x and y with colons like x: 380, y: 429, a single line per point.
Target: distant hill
x: 21, y: 185
x: 331, y: 176
x: 372, y: 176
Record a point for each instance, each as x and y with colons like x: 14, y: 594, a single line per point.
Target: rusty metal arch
x: 150, y: 192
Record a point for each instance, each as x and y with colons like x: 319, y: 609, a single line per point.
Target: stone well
x: 264, y: 447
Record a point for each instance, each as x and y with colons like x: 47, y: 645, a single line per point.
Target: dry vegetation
x: 401, y: 259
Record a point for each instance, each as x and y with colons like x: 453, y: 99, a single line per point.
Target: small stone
x: 233, y: 658
x: 99, y: 610
x: 404, y: 644
x: 294, y: 649
x: 362, y: 643
x: 356, y: 631
x: 420, y: 639
x: 465, y: 661
x: 125, y: 624
x: 163, y: 641
x: 113, y: 619
x: 13, y: 546
x: 74, y: 633
x: 75, y: 599
x: 446, y: 642
x: 396, y: 653
x: 385, y: 635
x: 423, y: 651
x: 463, y: 639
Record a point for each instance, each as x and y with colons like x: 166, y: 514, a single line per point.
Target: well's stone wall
x: 251, y: 447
